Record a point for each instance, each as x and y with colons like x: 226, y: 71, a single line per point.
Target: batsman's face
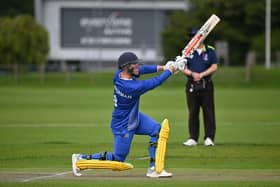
x: 135, y: 69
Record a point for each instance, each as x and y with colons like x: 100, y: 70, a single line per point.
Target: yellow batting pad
x: 161, y: 147
x: 103, y: 164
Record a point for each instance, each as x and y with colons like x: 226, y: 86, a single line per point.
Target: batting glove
x: 180, y: 63
x: 168, y: 64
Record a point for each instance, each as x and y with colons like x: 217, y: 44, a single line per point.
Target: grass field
x: 41, y: 125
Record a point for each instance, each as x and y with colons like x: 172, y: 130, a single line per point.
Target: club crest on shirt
x: 205, y: 57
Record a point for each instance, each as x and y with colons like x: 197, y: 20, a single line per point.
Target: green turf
x: 42, y: 125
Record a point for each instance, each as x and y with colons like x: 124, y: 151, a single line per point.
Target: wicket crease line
x: 46, y: 176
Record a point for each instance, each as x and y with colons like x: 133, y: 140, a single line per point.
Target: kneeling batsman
x: 128, y: 72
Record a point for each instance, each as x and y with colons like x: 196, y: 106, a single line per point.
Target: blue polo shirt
x: 201, y: 62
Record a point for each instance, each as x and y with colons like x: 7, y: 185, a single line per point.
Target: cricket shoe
x: 153, y: 174
x: 75, y: 169
x: 208, y: 142
x: 190, y: 142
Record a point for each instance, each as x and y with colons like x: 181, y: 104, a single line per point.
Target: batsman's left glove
x: 168, y: 64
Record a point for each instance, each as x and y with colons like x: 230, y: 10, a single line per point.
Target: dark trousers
x: 205, y: 100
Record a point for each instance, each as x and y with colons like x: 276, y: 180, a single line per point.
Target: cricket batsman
x: 127, y: 121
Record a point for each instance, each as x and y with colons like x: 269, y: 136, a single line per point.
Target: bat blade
x: 200, y: 35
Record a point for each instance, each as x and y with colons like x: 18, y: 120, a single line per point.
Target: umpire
x: 202, y: 63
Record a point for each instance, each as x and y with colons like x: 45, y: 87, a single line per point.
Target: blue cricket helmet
x: 127, y: 58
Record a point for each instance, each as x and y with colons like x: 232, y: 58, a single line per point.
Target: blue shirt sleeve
x: 213, y: 56
x: 149, y: 84
x: 147, y: 69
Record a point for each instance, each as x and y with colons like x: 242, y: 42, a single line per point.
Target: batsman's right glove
x: 180, y: 63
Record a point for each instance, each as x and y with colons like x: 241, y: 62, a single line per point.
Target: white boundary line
x: 46, y: 176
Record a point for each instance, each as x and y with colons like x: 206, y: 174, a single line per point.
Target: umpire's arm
x: 212, y: 69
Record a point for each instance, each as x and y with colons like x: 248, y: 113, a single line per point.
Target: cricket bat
x: 200, y: 35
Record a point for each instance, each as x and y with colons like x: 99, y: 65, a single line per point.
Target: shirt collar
x: 200, y: 50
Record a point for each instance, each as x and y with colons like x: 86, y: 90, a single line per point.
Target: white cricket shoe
x: 75, y: 169
x: 153, y: 174
x: 208, y: 142
x: 190, y: 142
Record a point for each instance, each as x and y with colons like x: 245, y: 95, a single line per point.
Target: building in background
x: 91, y: 34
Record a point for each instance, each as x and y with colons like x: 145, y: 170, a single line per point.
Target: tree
x: 22, y: 41
x: 16, y: 7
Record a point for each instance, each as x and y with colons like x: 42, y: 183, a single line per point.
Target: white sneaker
x: 190, y: 142
x: 208, y: 142
x: 75, y: 169
x: 153, y: 174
